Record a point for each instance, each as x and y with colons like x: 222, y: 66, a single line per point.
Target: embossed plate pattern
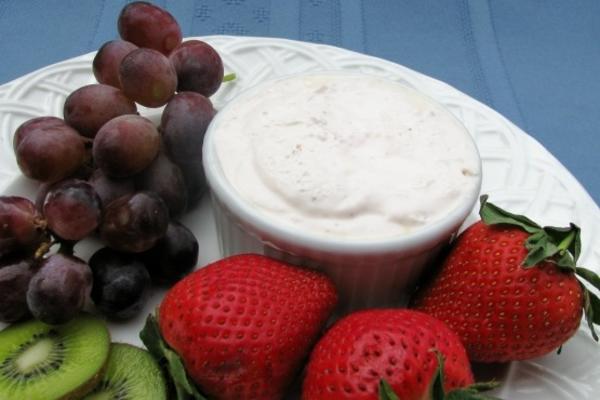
x: 517, y: 173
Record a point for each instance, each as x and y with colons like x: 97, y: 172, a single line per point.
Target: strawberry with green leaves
x: 240, y: 328
x: 390, y: 354
x: 510, y: 289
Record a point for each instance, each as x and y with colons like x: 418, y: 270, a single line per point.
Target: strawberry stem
x: 437, y: 385
x: 386, y: 392
x: 591, y: 302
x: 558, y: 245
x: 472, y: 392
x: 173, y: 366
x: 565, y: 244
x: 591, y: 312
x: 492, y: 215
x: 589, y: 276
x: 561, y: 246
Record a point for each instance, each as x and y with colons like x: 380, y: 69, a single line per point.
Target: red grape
x: 91, y: 106
x: 59, y: 289
x: 33, y: 125
x: 134, y: 223
x: 40, y: 196
x: 14, y: 281
x: 126, y: 145
x: 165, y: 179
x: 199, y: 67
x: 72, y: 209
x: 108, y: 59
x: 183, y: 124
x: 22, y: 228
x: 148, y: 77
x: 195, y: 181
x: 48, y: 149
x: 147, y: 25
x: 108, y: 189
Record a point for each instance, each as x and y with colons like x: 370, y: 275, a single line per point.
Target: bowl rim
x: 250, y: 215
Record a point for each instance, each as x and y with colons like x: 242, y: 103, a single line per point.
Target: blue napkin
x: 535, y: 61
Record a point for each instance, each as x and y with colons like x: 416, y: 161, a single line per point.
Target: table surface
x: 537, y: 62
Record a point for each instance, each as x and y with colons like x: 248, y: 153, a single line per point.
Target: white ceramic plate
x: 518, y: 173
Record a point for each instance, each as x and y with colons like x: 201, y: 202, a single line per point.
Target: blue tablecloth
x: 535, y: 61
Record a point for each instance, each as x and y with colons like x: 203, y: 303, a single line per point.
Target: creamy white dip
x: 348, y: 156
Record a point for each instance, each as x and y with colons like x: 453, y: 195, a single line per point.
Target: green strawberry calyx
x: 472, y: 392
x: 561, y: 246
x: 169, y: 360
x: 386, y: 392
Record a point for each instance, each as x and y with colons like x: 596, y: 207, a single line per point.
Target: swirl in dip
x: 346, y: 156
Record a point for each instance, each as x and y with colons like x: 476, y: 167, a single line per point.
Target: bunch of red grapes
x: 107, y: 171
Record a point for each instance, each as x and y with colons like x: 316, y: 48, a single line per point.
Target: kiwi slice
x: 46, y: 362
x: 131, y: 374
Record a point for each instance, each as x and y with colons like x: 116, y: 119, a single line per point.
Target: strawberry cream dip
x: 347, y: 156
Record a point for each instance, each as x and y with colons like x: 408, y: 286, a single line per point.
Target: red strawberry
x: 508, y: 288
x: 243, y: 325
x: 397, y: 346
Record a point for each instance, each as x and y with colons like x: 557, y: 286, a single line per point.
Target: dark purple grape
x: 22, y: 228
x: 59, y: 289
x: 89, y: 107
x: 108, y: 60
x: 165, y: 179
x: 147, y: 25
x: 72, y: 209
x: 108, y: 189
x: 121, y: 283
x: 199, y: 67
x: 148, y: 77
x: 195, y: 180
x: 14, y: 281
x: 134, y: 223
x: 48, y: 149
x: 173, y: 256
x: 183, y: 124
x: 125, y: 146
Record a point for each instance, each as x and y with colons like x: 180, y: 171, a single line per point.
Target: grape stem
x: 229, y: 77
x: 87, y: 142
x: 44, y: 247
x: 40, y: 223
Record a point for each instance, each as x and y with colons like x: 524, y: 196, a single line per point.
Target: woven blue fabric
x: 535, y: 61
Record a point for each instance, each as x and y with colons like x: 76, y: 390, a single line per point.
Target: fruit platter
x: 126, y: 272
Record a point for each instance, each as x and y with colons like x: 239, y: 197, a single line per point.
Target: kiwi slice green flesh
x: 131, y: 374
x: 45, y: 362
